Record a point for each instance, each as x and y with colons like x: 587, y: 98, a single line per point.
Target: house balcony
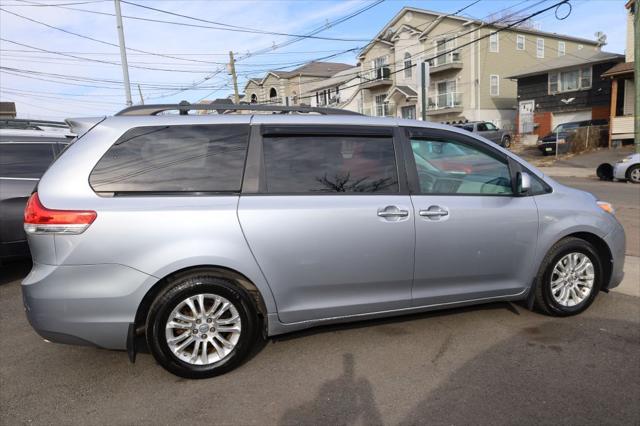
x: 450, y: 61
x: 377, y: 77
x: 388, y: 109
x: 444, y: 103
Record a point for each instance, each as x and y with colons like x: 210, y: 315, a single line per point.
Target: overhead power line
x: 103, y: 41
x: 218, y: 28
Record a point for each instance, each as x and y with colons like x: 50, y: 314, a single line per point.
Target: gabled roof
x: 619, y: 69
x: 381, y: 36
x: 407, y: 91
x: 310, y: 69
x: 581, y: 57
x: 336, y: 80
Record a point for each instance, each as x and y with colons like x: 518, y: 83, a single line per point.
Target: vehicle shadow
x: 15, y: 270
x: 564, y: 371
x: 346, y: 400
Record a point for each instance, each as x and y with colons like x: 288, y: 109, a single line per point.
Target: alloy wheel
x: 572, y: 279
x: 203, y: 329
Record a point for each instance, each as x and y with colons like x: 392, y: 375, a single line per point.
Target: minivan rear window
x: 330, y: 164
x: 182, y: 158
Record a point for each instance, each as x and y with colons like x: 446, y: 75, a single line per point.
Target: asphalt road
x: 625, y: 197
x: 492, y: 364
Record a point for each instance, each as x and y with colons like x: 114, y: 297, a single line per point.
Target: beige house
x: 285, y: 87
x: 340, y: 91
x: 623, y: 87
x: 465, y: 79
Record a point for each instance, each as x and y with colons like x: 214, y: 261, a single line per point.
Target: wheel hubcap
x: 572, y: 279
x: 203, y: 329
x: 635, y: 175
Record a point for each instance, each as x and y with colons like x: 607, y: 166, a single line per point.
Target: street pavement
x: 492, y: 364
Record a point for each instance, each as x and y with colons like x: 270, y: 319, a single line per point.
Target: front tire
x: 633, y: 174
x: 506, y: 142
x: 569, y: 279
x: 202, y: 326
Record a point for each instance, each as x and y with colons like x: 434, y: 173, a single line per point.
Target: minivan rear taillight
x: 40, y: 220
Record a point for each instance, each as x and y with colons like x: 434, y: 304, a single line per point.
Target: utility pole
x: 424, y: 80
x: 123, y: 53
x: 636, y: 46
x: 232, y: 71
x: 141, y: 98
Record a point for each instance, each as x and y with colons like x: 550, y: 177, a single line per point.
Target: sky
x: 170, y: 62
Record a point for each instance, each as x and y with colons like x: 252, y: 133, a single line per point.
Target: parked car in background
x: 488, y: 130
x: 200, y: 233
x: 547, y: 144
x: 25, y: 153
x: 628, y: 168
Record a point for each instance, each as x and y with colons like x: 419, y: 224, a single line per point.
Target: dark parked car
x: 561, y: 132
x: 24, y: 157
x: 489, y: 131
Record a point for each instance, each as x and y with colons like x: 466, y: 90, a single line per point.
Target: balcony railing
x: 449, y: 58
x: 445, y: 100
x: 380, y: 76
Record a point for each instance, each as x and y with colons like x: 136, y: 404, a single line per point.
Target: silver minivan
x: 197, y: 235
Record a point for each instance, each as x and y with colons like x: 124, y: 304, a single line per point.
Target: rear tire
x: 569, y: 278
x: 193, y: 312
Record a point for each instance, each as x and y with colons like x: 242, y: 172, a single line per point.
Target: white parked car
x: 628, y: 168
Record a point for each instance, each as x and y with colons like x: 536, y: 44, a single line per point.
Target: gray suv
x: 488, y: 130
x: 197, y: 235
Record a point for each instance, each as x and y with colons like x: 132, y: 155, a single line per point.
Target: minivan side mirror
x: 524, y: 183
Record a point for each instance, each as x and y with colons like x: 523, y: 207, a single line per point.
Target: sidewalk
x: 555, y: 171
x: 631, y: 283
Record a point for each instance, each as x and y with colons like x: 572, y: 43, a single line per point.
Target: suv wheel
x: 633, y: 174
x: 569, y: 279
x: 201, y: 327
x: 506, y: 141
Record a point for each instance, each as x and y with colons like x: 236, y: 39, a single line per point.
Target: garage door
x: 566, y: 117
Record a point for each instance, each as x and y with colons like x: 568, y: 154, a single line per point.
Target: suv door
x: 474, y: 238
x: 329, y: 219
x: 21, y: 166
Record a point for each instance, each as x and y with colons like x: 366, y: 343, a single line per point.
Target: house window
x: 520, y: 41
x: 570, y: 80
x: 382, y: 107
x: 380, y: 68
x: 494, y: 85
x: 446, y: 95
x: 561, y: 48
x: 408, y: 112
x: 273, y: 94
x: 254, y: 98
x: 494, y: 44
x: 540, y: 48
x: 407, y: 65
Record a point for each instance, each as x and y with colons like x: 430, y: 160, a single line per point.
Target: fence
x: 586, y: 139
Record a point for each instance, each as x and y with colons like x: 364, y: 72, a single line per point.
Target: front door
x: 331, y: 226
x: 475, y: 240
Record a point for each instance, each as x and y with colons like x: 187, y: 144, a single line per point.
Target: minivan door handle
x: 392, y: 211
x: 434, y: 212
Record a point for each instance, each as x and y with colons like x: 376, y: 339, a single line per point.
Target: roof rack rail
x: 23, y: 124
x: 184, y: 107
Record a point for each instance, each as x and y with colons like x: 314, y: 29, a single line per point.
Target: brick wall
x: 543, y: 121
x: 600, y: 112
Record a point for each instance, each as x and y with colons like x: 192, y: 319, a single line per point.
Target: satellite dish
x: 601, y: 37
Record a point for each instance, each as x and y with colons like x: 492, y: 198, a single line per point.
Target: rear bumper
x: 617, y: 244
x: 84, y: 304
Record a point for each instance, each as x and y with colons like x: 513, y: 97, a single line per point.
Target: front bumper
x: 620, y: 170
x: 84, y: 304
x: 617, y: 244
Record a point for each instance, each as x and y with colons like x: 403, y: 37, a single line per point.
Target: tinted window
x: 482, y: 127
x: 206, y: 158
x: 317, y: 164
x: 25, y: 160
x: 490, y: 126
x: 451, y: 167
